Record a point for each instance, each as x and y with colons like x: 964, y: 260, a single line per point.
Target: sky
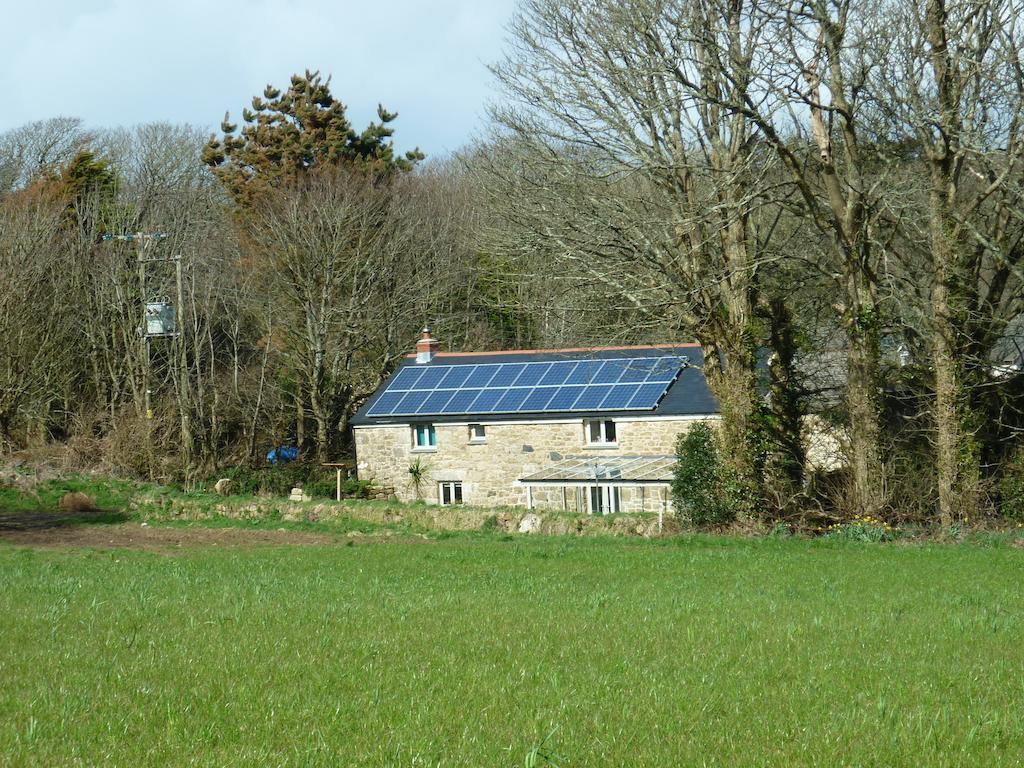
x: 123, y: 62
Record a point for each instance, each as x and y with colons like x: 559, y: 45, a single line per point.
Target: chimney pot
x: 426, y: 347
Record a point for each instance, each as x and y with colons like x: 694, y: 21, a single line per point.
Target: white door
x: 604, y: 499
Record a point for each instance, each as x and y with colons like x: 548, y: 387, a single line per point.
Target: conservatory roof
x: 608, y: 469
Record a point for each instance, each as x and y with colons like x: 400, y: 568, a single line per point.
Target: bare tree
x: 354, y: 266
x: 625, y: 158
x: 32, y: 334
x: 810, y: 78
x: 954, y: 86
x: 37, y: 148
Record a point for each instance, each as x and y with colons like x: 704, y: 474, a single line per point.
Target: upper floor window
x: 423, y: 437
x: 477, y: 433
x: 600, y: 432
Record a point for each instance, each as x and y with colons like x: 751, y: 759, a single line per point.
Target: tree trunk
x: 957, y: 455
x: 731, y: 375
x: 300, y: 420
x: 187, y: 439
x: 322, y: 430
x: 866, y: 494
x: 785, y: 464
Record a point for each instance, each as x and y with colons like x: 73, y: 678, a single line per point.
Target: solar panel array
x: 636, y: 383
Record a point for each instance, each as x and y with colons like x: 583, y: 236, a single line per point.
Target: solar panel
x: 592, y: 397
x: 531, y: 375
x: 430, y: 378
x: 538, y: 399
x: 406, y: 378
x: 638, y: 370
x: 610, y: 372
x: 437, y: 400
x: 487, y: 400
x: 647, y: 396
x: 461, y: 401
x: 411, y: 403
x: 664, y: 368
x: 511, y: 400
x: 557, y: 374
x: 456, y: 376
x: 565, y: 398
x: 584, y: 372
x: 480, y: 375
x: 505, y: 375
x: 386, y: 403
x: 528, y: 387
x: 620, y: 396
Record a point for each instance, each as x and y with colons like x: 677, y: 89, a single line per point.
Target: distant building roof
x: 683, y: 392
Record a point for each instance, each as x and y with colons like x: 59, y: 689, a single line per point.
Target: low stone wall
x: 424, y: 516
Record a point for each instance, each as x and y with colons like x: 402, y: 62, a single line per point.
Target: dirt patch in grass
x: 166, y: 540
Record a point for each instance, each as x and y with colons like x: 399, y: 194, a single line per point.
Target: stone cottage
x: 581, y: 430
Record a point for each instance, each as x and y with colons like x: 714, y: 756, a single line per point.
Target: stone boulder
x: 529, y: 524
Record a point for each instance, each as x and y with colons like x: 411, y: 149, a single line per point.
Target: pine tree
x: 289, y: 133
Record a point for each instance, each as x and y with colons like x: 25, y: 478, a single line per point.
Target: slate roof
x: 687, y: 396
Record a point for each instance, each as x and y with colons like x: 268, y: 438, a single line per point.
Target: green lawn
x: 475, y: 650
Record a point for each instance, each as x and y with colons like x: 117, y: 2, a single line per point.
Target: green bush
x: 321, y: 489
x: 703, y: 492
x: 862, y: 528
x: 1011, y: 488
x: 351, y: 488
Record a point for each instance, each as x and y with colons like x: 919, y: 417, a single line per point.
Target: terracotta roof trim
x: 687, y: 345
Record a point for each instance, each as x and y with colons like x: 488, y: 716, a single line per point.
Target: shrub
x: 1011, y: 488
x: 353, y: 488
x: 703, y: 492
x: 861, y: 528
x: 321, y: 489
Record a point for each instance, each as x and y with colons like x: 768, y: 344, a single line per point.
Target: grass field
x: 491, y: 651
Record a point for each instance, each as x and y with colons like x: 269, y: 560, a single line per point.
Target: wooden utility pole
x: 156, y: 321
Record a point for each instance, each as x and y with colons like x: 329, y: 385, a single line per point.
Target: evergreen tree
x: 87, y: 174
x: 291, y: 132
x: 87, y: 186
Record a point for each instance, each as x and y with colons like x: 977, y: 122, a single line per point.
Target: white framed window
x: 449, y: 492
x: 600, y: 432
x: 424, y: 438
x: 604, y: 499
x: 477, y: 433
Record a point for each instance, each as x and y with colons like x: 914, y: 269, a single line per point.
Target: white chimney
x: 426, y: 348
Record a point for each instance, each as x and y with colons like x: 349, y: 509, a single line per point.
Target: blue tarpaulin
x: 282, y: 454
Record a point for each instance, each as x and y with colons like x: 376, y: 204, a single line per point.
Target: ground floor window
x: 450, y: 492
x: 604, y: 499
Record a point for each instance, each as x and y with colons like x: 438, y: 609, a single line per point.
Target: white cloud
x: 120, y: 62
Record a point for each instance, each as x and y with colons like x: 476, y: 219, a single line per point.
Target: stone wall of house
x: 488, y: 470
x: 825, y: 444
